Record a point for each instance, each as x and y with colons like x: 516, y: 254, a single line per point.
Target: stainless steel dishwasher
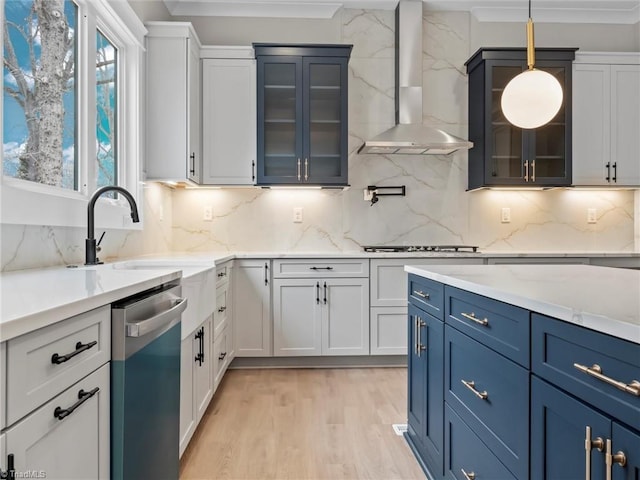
x: 145, y: 384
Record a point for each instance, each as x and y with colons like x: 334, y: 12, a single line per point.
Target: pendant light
x: 533, y: 97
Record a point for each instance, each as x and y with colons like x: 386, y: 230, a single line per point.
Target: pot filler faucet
x: 91, y: 257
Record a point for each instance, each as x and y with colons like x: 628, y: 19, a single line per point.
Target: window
x: 106, y: 106
x: 71, y: 109
x: 40, y: 93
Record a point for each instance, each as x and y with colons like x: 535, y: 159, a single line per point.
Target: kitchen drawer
x: 500, y: 326
x: 389, y: 280
x: 558, y: 346
x: 223, y: 273
x: 73, y: 447
x: 427, y: 295
x: 466, y: 454
x: 221, y: 315
x: 501, y: 418
x: 221, y: 356
x: 318, y: 268
x: 32, y: 376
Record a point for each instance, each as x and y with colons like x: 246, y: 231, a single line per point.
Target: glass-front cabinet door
x: 505, y: 155
x: 326, y: 119
x: 280, y: 116
x: 302, y: 114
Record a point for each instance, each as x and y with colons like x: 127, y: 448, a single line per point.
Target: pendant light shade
x: 532, y: 98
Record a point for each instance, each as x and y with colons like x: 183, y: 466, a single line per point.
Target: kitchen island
x: 538, y: 367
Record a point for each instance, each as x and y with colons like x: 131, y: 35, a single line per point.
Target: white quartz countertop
x: 32, y: 299
x: 599, y: 298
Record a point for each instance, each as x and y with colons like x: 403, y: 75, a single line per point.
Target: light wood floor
x: 304, y: 424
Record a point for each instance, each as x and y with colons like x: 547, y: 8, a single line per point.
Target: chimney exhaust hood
x: 410, y: 136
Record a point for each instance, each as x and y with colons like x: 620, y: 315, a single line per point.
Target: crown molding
x: 544, y: 11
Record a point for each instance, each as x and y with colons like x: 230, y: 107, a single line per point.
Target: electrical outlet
x: 592, y: 216
x: 505, y: 215
x: 297, y: 214
x: 207, y: 213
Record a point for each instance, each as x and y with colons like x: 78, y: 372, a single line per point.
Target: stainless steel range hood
x: 410, y: 136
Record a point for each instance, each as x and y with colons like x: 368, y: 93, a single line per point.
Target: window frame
x: 29, y: 203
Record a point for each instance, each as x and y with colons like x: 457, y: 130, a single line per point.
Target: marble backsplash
x: 435, y: 210
x: 29, y: 246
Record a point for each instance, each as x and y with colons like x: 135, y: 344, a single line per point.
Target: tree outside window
x: 106, y: 76
x: 39, y: 91
x: 41, y: 100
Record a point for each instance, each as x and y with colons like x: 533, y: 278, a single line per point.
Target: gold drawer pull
x: 596, y: 371
x: 468, y: 476
x: 471, y: 385
x: 421, y: 294
x: 472, y: 316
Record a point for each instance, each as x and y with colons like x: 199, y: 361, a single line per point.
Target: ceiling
x: 551, y: 11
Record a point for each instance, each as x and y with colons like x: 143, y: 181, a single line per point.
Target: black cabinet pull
x: 253, y: 170
x: 80, y: 347
x: 615, y: 172
x: 320, y: 268
x: 266, y: 273
x: 200, y: 337
x: 222, y: 355
x: 192, y: 167
x: 325, y: 293
x: 317, y: 293
x: 83, y: 396
x: 608, y: 177
x: 222, y: 309
x: 10, y: 473
x: 202, y: 346
x: 222, y: 274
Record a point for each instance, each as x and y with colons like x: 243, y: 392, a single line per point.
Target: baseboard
x: 320, y: 362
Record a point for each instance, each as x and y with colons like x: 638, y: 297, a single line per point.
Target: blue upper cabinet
x: 503, y: 154
x: 302, y: 114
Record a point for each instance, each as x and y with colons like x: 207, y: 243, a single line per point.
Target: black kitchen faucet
x: 91, y: 257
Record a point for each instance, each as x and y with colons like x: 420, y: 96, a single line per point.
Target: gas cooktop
x: 421, y: 248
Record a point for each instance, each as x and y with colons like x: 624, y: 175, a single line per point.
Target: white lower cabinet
x: 222, y: 354
x: 297, y: 323
x: 188, y: 417
x: 68, y: 437
x: 318, y: 314
x: 388, y: 331
x: 196, y: 380
x: 252, y: 308
x: 388, y: 312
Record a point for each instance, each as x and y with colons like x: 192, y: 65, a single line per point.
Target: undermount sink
x: 188, y: 267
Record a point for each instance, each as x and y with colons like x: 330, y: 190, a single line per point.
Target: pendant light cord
x: 531, y: 56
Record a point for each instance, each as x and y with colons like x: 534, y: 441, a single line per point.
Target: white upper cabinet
x: 228, y: 116
x: 173, y: 151
x: 606, y: 119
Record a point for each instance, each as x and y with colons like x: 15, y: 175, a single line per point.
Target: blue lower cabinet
x: 491, y: 394
x: 626, y: 445
x: 559, y: 425
x: 466, y: 457
x: 426, y: 389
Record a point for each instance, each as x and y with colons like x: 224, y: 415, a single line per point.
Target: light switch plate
x: 505, y: 215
